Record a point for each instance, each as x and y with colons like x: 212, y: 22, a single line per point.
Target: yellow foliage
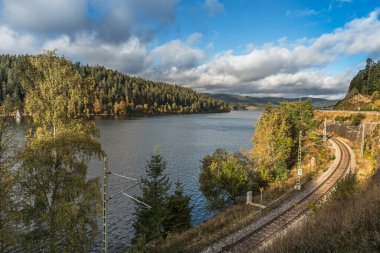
x: 376, y: 105
x: 97, y: 106
x: 59, y: 93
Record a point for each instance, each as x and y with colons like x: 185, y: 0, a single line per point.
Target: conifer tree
x: 168, y: 213
x: 179, y: 211
x: 150, y: 222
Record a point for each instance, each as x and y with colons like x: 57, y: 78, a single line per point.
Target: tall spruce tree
x: 149, y: 224
x: 168, y: 213
x: 179, y: 211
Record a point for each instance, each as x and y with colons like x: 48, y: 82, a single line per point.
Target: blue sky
x: 248, y: 47
x: 263, y: 21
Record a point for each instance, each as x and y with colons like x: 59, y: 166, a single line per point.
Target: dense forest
x: 364, y: 90
x: 115, y: 92
x: 367, y: 81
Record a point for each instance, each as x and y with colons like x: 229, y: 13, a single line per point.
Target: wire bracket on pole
x: 137, y: 200
x: 107, y: 172
x: 118, y: 175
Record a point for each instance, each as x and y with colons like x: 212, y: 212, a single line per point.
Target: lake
x: 183, y: 140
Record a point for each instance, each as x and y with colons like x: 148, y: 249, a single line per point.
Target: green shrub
x: 345, y: 187
x: 356, y: 119
x: 340, y: 119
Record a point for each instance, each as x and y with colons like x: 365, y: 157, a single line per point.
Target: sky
x: 287, y: 48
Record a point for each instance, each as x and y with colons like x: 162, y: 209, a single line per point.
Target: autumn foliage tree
x: 276, y: 137
x: 224, y: 178
x: 57, y: 202
x: 97, y: 106
x: 57, y: 94
x: 59, y: 205
x: 273, y: 144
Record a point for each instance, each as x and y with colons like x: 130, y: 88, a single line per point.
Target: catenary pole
x: 299, y: 171
x: 105, y: 200
x: 362, y: 141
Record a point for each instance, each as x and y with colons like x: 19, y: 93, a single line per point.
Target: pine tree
x: 179, y: 211
x: 149, y: 224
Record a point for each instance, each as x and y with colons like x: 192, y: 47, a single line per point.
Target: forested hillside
x: 115, y: 92
x: 364, y: 90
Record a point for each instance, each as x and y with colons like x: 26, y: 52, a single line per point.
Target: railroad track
x: 278, y: 219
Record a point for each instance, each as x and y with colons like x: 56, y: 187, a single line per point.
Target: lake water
x: 183, y: 140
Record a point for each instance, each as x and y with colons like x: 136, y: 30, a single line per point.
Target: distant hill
x: 364, y: 91
x: 241, y: 102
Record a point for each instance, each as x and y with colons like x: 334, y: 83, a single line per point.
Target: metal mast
x: 324, y: 138
x: 299, y: 171
x: 362, y: 142
x: 105, y: 200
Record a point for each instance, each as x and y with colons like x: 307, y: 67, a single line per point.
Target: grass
x: 365, y: 167
x: 343, y: 224
x: 348, y: 224
x: 331, y: 115
x: 227, y: 221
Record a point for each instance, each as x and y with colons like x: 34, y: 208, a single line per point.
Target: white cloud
x: 292, y: 69
x: 300, y: 83
x: 214, y: 7
x: 45, y: 15
x: 301, y: 13
x: 131, y: 57
x: 282, y: 67
x: 358, y: 36
x: 176, y: 55
x: 194, y: 38
x: 111, y: 21
x: 139, y: 18
x: 12, y: 42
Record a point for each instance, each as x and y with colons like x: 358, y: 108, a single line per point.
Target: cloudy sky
x: 286, y: 48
